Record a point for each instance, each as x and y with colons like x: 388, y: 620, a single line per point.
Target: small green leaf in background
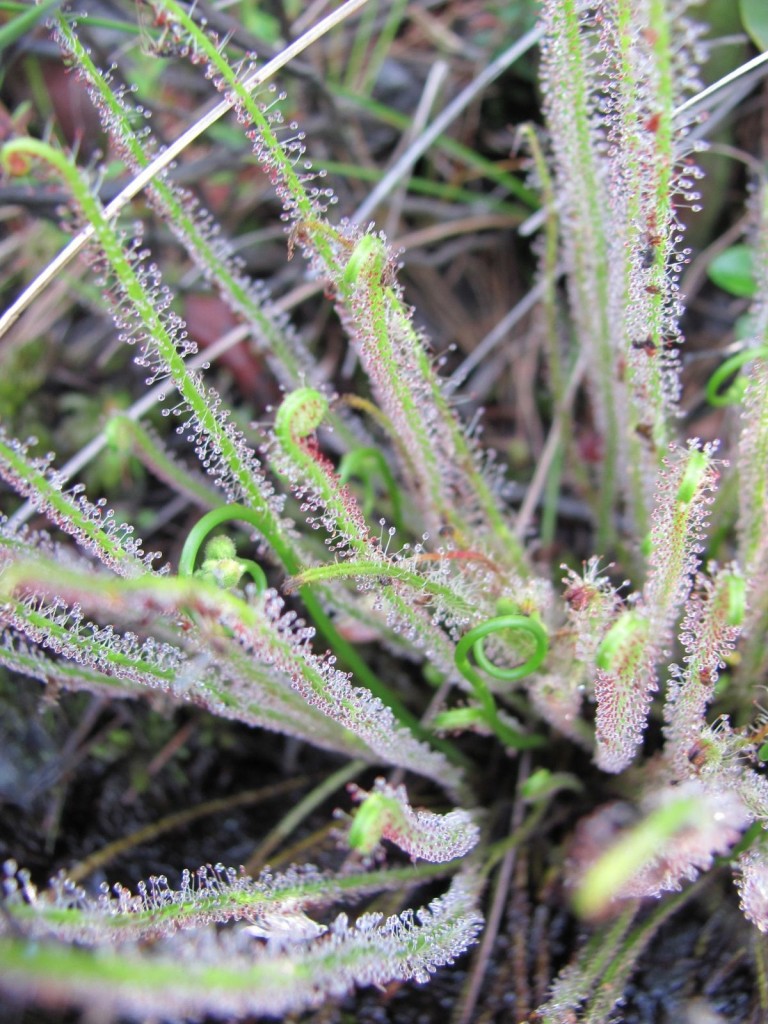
x: 260, y: 23
x: 754, y: 17
x: 734, y: 270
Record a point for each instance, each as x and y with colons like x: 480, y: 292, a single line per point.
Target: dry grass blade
x: 171, y: 152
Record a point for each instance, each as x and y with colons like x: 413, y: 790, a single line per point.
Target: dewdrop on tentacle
x: 285, y: 925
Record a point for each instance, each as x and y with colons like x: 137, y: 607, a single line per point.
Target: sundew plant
x: 513, y: 697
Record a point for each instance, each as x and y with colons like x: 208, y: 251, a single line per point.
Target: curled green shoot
x: 487, y: 713
x: 202, y: 530
x: 321, y: 620
x: 474, y: 641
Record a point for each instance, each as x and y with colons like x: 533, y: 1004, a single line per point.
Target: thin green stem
x: 400, y: 571
x: 365, y: 464
x: 300, y: 811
